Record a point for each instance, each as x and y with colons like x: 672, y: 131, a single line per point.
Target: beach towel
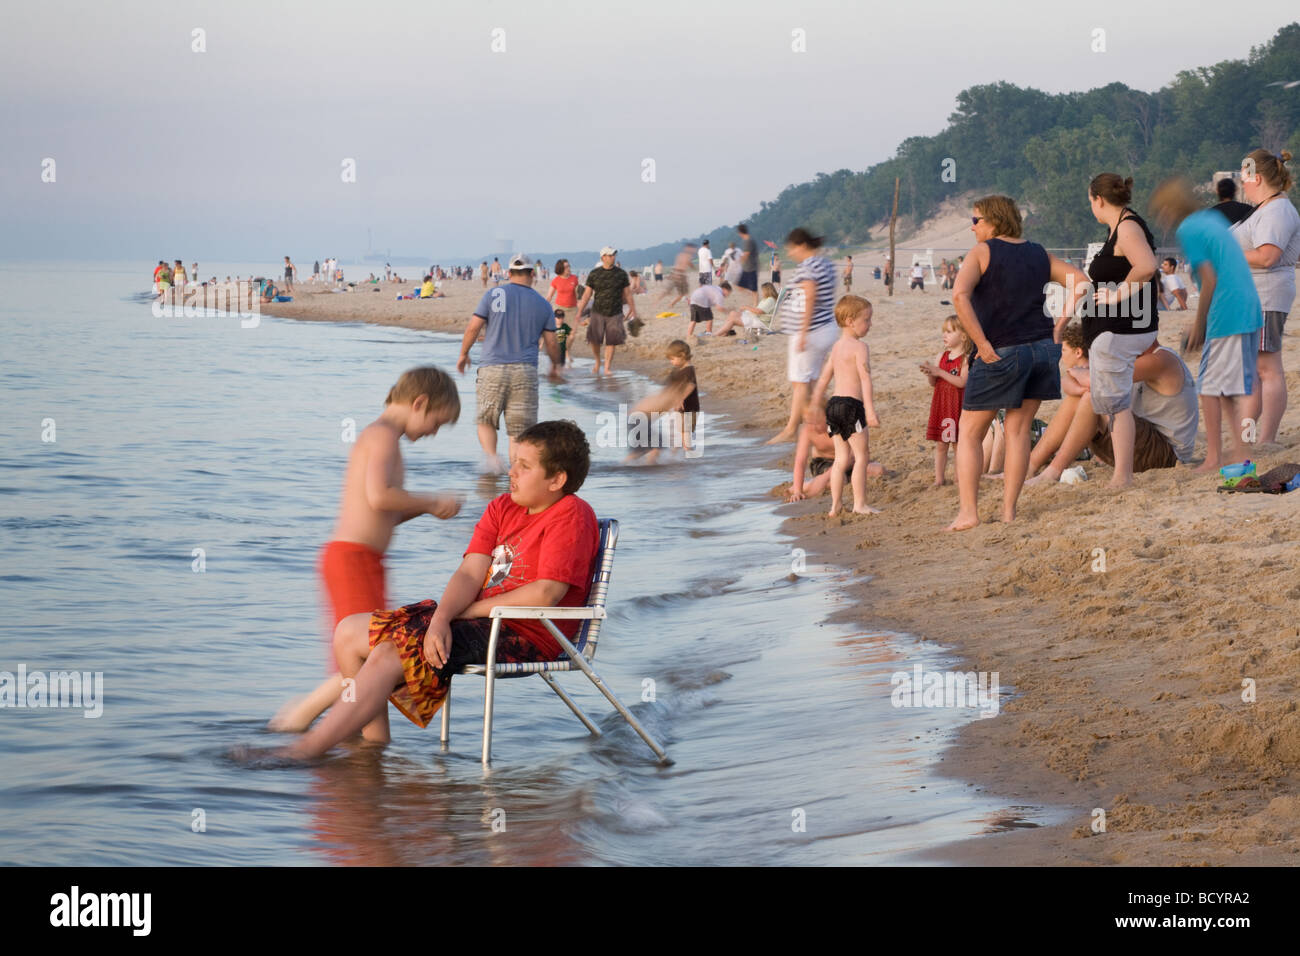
x: 1275, y: 481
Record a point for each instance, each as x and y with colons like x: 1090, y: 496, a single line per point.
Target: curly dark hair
x: 563, y: 447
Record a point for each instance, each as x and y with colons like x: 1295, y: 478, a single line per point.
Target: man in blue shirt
x: 512, y: 317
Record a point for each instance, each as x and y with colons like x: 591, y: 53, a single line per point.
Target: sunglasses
x: 976, y: 220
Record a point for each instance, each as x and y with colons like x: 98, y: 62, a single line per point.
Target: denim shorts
x: 1026, y: 372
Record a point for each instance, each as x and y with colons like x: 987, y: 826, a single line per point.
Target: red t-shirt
x: 564, y: 286
x: 558, y: 544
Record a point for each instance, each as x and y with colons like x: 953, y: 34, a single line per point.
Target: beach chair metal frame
x: 769, y: 322
x: 578, y: 655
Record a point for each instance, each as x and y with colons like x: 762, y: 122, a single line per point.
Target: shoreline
x: 1128, y: 681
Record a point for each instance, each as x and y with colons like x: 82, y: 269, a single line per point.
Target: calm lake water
x: 171, y: 435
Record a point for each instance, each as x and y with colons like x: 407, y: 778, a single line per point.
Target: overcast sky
x: 237, y: 153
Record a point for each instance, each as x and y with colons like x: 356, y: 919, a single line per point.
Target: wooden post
x: 893, y: 218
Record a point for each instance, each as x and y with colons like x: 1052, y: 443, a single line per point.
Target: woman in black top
x: 1000, y: 298
x: 1122, y: 322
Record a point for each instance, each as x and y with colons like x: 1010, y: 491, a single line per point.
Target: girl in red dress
x: 947, y: 374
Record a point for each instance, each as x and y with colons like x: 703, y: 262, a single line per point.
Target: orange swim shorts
x: 353, y: 575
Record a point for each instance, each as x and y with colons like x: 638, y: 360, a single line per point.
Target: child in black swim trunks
x: 814, y: 455
x: 852, y: 408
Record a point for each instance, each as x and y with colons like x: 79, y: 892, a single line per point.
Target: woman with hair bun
x: 809, y: 321
x: 1270, y: 238
x: 1123, y: 320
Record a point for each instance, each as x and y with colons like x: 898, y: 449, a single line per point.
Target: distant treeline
x: 1042, y: 149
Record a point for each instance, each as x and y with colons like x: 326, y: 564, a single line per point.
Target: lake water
x: 171, y: 435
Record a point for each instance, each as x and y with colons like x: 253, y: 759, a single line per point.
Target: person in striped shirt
x: 808, y: 318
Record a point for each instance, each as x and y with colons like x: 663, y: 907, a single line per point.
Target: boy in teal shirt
x: 1228, y: 317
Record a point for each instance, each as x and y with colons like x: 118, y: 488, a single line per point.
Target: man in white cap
x: 512, y: 317
x: 611, y: 289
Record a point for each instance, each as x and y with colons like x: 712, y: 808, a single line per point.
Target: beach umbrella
x: 769, y: 243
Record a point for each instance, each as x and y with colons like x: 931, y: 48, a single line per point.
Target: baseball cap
x: 521, y: 262
x: 609, y: 251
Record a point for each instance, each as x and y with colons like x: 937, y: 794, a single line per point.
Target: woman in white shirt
x: 754, y: 317
x: 1270, y: 238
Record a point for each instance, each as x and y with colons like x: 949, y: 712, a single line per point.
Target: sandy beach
x: 1127, y: 682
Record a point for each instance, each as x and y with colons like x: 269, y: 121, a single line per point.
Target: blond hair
x: 954, y: 323
x: 1001, y: 213
x: 431, y: 382
x: 1271, y: 168
x: 849, y: 308
x: 1173, y: 201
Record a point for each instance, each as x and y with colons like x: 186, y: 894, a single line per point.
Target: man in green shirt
x: 609, y: 290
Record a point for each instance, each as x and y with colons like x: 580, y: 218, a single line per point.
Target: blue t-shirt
x: 516, y: 317
x: 1235, y: 308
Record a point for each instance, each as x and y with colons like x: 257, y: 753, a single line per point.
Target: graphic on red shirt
x: 503, y: 559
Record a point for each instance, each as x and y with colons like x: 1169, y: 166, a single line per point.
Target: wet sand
x: 1128, y: 682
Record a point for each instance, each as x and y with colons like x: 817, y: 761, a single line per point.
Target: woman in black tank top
x: 1123, y: 319
x: 999, y: 296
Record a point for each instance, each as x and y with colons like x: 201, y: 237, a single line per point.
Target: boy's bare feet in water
x: 291, y: 718
x: 492, y: 465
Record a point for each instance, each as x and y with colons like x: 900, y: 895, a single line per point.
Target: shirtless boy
x: 814, y: 454
x: 374, y: 503
x: 852, y: 408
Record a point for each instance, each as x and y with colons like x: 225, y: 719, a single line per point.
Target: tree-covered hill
x: 1042, y: 149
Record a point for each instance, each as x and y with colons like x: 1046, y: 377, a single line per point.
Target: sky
x: 486, y: 126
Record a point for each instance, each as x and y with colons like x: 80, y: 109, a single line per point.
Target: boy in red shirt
x: 535, y: 546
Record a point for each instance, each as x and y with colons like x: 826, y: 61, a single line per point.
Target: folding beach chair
x: 579, y: 653
x: 769, y: 323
